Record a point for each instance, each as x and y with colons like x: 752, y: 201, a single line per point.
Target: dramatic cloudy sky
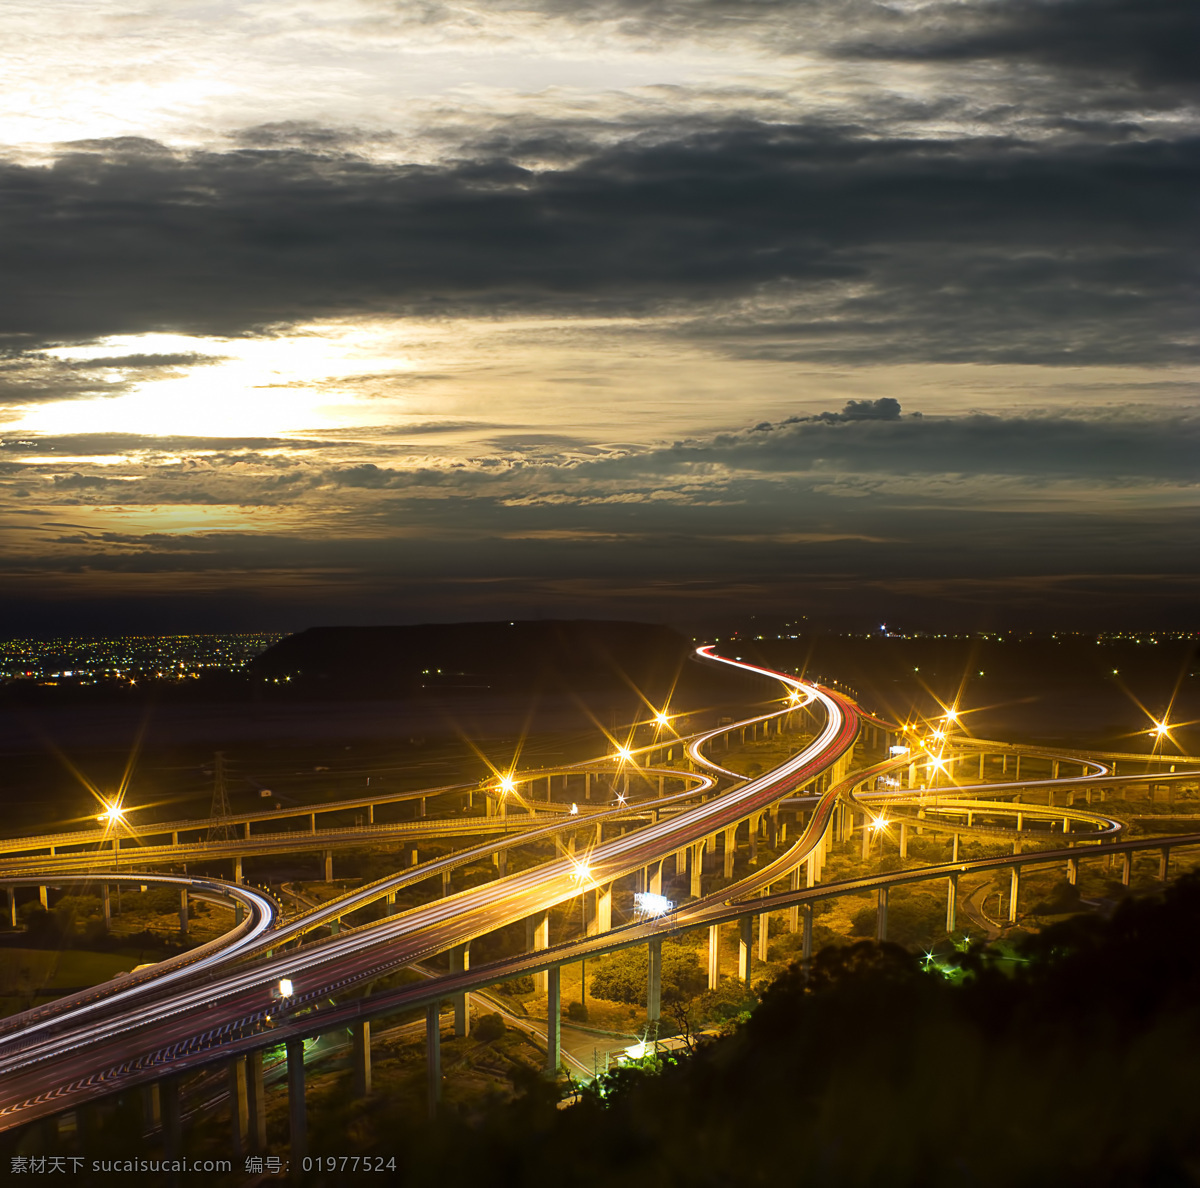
x: 378, y: 310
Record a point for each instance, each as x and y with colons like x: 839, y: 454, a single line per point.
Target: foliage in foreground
x: 1076, y: 1065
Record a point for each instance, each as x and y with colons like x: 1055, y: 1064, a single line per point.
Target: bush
x: 577, y: 1012
x: 623, y: 976
x: 489, y: 1027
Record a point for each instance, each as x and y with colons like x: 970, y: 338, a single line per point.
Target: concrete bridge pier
x: 696, y: 856
x: 654, y: 981
x: 183, y: 911
x: 553, y: 1020
x: 1014, y: 894
x: 603, y: 920
x: 730, y: 849
x: 239, y: 1106
x: 329, y: 866
x: 793, y: 913
x: 764, y: 934
x: 256, y: 1099
x: 360, y: 1033
x: 954, y: 852
x: 810, y: 864
x: 951, y: 901
x: 745, y: 945
x: 903, y: 839
x: 297, y: 1115
x: 881, y: 915
x: 806, y: 940
x: 714, y: 956
x: 537, y: 936
x: 460, y: 962
x: 1126, y: 864
x: 172, y: 1118
x: 445, y: 883
x: 105, y: 900
x: 12, y: 907
x: 1072, y: 871
x: 656, y: 878
x: 237, y: 869
x: 433, y: 1058
x: 44, y: 896
x: 1164, y: 863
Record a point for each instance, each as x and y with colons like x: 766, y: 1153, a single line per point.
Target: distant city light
x: 651, y: 906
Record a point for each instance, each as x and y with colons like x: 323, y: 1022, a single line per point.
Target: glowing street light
x: 507, y: 783
x: 661, y: 719
x: 880, y: 823
x: 624, y: 754
x: 574, y: 809
x: 286, y: 989
x: 651, y: 906
x: 1161, y: 729
x: 114, y: 813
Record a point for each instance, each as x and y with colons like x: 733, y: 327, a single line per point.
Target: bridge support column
x: 696, y: 854
x: 361, y: 1034
x: 445, y: 883
x: 881, y: 915
x: 587, y: 785
x: 604, y: 908
x: 1072, y: 871
x: 810, y: 864
x: 714, y: 956
x: 981, y: 758
x: 553, y: 978
x: 764, y: 935
x: 656, y: 877
x: 105, y: 899
x: 954, y: 853
x: 903, y: 839
x: 1164, y: 863
x: 44, y: 896
x: 1126, y: 864
x: 183, y: 911
x: 1014, y: 894
x: 297, y: 1114
x: 239, y: 1107
x: 951, y: 901
x: 329, y: 866
x: 256, y: 1100
x: 806, y: 913
x: 1017, y: 774
x: 730, y: 851
x: 793, y: 913
x: 866, y: 839
x: 537, y: 936
x: 237, y: 869
x: 433, y: 1057
x: 745, y: 946
x: 171, y: 1116
x: 460, y: 962
x: 654, y: 980
x: 151, y: 1107
x: 502, y: 863
x: 752, y: 828
x: 371, y: 809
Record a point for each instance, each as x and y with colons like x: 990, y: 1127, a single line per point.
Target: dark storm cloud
x: 1155, y: 43
x: 1152, y: 43
x: 1074, y: 252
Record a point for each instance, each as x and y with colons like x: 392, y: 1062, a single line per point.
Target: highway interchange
x: 223, y: 1001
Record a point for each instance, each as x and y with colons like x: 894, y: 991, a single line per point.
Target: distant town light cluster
x: 127, y: 659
